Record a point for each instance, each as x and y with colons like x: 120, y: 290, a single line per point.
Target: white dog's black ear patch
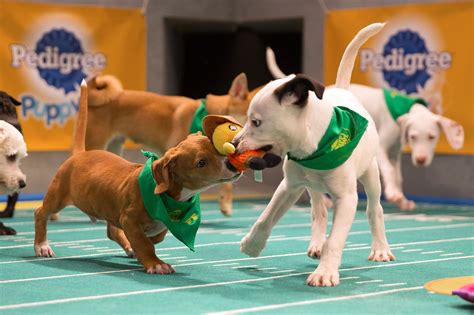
x: 14, y: 101
x: 297, y: 90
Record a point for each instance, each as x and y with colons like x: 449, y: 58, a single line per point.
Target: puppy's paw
x: 226, y: 208
x: 130, y: 253
x: 381, y: 253
x: 252, y: 245
x: 323, y: 277
x: 406, y: 205
x: 161, y: 268
x: 314, y: 249
x: 44, y: 251
x: 393, y: 195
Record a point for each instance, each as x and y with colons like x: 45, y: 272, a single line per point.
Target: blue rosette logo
x: 61, y: 62
x: 406, y: 63
x: 406, y: 43
x: 66, y: 49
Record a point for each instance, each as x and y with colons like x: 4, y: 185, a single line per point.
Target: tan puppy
x: 106, y: 187
x: 157, y: 121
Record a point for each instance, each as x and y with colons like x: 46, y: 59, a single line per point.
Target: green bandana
x: 182, y: 218
x: 340, y: 139
x: 200, y: 113
x: 399, y: 104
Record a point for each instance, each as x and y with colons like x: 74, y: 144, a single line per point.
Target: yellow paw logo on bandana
x: 193, y: 218
x: 176, y: 215
x: 343, y: 139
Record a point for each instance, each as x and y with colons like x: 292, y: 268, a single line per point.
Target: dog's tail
x: 79, y: 144
x: 103, y: 89
x: 348, y: 59
x: 272, y: 65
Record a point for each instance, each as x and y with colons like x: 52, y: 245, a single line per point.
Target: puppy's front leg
x: 327, y: 273
x: 225, y: 199
x: 283, y: 198
x: 371, y: 182
x: 319, y: 218
x: 143, y: 247
x: 389, y: 176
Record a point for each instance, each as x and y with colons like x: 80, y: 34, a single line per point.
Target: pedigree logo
x: 406, y: 63
x: 62, y: 63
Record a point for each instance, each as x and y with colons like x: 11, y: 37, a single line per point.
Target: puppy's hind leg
x: 117, y: 235
x: 143, y: 247
x: 371, y: 182
x: 319, y: 221
x: 283, y: 198
x: 54, y: 201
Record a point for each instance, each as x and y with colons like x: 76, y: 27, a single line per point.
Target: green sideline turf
x: 92, y: 275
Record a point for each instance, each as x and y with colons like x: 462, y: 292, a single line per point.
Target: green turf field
x: 92, y: 275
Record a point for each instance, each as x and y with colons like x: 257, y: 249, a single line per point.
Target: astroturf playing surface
x: 92, y: 275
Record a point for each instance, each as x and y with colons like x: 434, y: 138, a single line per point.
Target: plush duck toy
x: 221, y: 130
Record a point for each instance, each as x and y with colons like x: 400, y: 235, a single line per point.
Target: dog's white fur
x: 12, y: 150
x: 420, y: 128
x: 298, y: 130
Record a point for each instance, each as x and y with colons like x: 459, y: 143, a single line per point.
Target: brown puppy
x: 106, y: 187
x: 157, y: 121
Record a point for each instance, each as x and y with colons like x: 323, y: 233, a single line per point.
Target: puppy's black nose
x: 21, y: 183
x: 230, y: 167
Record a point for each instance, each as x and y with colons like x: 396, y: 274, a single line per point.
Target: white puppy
x: 419, y: 128
x: 12, y: 150
x: 291, y: 116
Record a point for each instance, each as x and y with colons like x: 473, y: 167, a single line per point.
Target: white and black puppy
x: 296, y: 117
x: 12, y: 150
x: 420, y: 127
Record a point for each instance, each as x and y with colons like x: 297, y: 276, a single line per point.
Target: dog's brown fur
x: 157, y: 121
x: 105, y: 186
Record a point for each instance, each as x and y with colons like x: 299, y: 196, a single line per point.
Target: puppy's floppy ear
x: 239, y: 89
x: 403, y: 123
x: 14, y: 101
x: 296, y: 91
x: 454, y: 132
x: 163, y: 174
x: 2, y: 134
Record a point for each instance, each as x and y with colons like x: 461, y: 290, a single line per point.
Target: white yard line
x: 412, y: 250
x: 392, y: 284
x: 226, y: 243
x: 360, y: 244
x: 452, y: 254
x: 310, y: 302
x: 189, y: 260
x: 211, y: 262
x: 227, y: 264
x: 349, y: 278
x: 432, y: 252
x: 282, y: 271
x: 95, y: 248
x: 269, y: 268
x: 369, y: 281
x: 433, y: 227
